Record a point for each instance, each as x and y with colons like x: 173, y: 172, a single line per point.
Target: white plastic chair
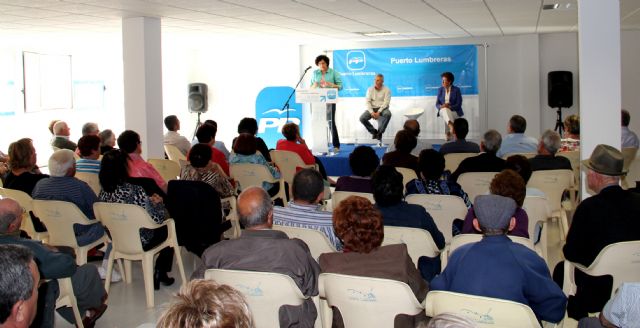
x: 68, y: 298
x: 26, y: 202
x: 124, y: 222
x: 174, y: 153
x: 629, y: 155
x: 453, y: 160
x: 367, y: 302
x: 234, y: 232
x: 265, y: 292
x: 553, y: 183
x: 419, y: 242
x: 288, y: 162
x: 168, y: 169
x: 443, y: 209
x: 59, y: 218
x: 339, y: 196
x: 484, y: 311
x: 249, y: 175
x: 316, y: 240
x: 620, y: 260
x: 91, y: 179
x: 538, y: 212
x: 469, y: 238
x: 407, y: 175
x: 476, y: 183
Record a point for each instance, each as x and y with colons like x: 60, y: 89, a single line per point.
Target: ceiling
x: 302, y: 20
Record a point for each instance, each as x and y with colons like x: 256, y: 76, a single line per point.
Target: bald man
x: 262, y: 249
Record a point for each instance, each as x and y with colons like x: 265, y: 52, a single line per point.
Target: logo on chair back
x: 250, y: 291
x: 54, y: 213
x: 270, y: 115
x: 361, y: 296
x: 479, y: 317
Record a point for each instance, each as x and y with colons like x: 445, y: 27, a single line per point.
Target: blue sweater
x: 499, y: 268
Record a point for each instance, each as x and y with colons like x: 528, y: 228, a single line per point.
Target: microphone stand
x: 286, y: 104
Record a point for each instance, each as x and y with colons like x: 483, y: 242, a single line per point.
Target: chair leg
x: 122, y: 274
x: 107, y: 280
x: 81, y: 255
x: 67, y: 288
x: 147, y: 271
x: 127, y: 269
x: 176, y: 251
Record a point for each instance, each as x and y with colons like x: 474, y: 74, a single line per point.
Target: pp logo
x: 356, y: 60
x: 332, y: 94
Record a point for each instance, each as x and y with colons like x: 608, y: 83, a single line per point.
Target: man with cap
x: 499, y: 268
x: 610, y: 216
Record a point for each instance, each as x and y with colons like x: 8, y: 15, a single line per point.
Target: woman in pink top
x: 129, y: 142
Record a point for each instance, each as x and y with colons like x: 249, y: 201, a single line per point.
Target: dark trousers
x: 165, y: 257
x: 592, y: 293
x: 331, y: 116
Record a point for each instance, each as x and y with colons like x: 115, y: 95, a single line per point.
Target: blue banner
x: 407, y: 72
x: 270, y: 115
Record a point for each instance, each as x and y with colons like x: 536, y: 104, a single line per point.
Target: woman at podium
x: 325, y: 77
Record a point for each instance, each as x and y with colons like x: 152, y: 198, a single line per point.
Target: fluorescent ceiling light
x: 378, y: 33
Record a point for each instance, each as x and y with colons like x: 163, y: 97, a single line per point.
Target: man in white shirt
x: 172, y: 137
x: 378, y: 99
x: 629, y: 138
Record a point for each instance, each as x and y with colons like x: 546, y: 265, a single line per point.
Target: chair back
x: 316, y: 240
x: 484, y: 311
x: 124, y: 222
x: 552, y: 183
x: 288, y: 162
x: 419, y: 242
x: 368, y: 302
x: 633, y: 175
x: 620, y: 260
x: 453, y: 160
x: 407, y: 175
x: 442, y: 208
x: 537, y: 210
x: 168, y: 169
x: 197, y: 211
x: 265, y: 292
x: 91, y: 179
x: 249, y: 175
x: 26, y: 202
x: 574, y: 158
x: 629, y: 155
x: 476, y: 183
x: 174, y: 153
x: 339, y: 196
x: 59, y: 217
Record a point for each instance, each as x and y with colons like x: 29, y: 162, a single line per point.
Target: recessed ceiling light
x: 378, y: 33
x: 551, y: 6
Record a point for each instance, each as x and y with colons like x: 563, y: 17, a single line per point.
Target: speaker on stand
x: 560, y: 94
x: 197, y: 102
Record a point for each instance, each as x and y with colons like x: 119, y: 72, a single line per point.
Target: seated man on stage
x: 378, y: 99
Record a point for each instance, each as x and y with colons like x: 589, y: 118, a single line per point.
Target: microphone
x: 308, y: 68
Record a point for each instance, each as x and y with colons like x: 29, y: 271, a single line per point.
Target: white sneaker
x: 115, y: 275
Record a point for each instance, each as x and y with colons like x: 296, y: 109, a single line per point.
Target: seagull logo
x: 279, y: 111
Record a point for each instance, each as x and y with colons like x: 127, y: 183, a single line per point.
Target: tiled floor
x: 127, y: 305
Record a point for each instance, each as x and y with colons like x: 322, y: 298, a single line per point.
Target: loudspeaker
x: 560, y: 86
x: 198, y: 98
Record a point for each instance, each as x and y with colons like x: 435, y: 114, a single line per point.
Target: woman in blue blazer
x: 449, y: 96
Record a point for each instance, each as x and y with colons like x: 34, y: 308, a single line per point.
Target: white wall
x: 629, y: 53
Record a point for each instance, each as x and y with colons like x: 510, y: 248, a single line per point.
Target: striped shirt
x: 307, y: 217
x: 88, y: 165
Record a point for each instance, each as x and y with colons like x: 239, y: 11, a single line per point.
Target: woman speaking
x: 325, y: 77
x: 449, y: 101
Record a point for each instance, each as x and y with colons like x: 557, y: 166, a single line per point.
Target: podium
x: 318, y: 99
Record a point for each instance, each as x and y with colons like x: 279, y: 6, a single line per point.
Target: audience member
x: 172, y: 137
x: 202, y: 168
x: 19, y: 282
x: 360, y: 227
x: 546, y: 158
x: 107, y: 141
x: 260, y: 248
x: 293, y: 142
x: 206, y: 134
x: 516, y: 141
x: 24, y: 173
x: 485, y: 162
x: 363, y: 162
x: 499, y: 268
x: 129, y: 142
x: 219, y: 145
x: 61, y: 133
x: 115, y: 189
x: 89, y: 147
x: 607, y: 217
x: 460, y: 144
x: 207, y: 304
x: 414, y: 128
x: 429, y: 181
x: 387, y: 192
x: 53, y: 264
x: 405, y: 142
x: 629, y: 138
x: 304, y: 211
x: 510, y: 184
x: 90, y: 129
x: 244, y: 151
x: 51, y: 124
x: 571, y: 141
x: 620, y: 311
x: 250, y: 125
x: 521, y: 165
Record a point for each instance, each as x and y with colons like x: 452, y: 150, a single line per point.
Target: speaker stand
x: 559, y: 124
x: 198, y: 123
